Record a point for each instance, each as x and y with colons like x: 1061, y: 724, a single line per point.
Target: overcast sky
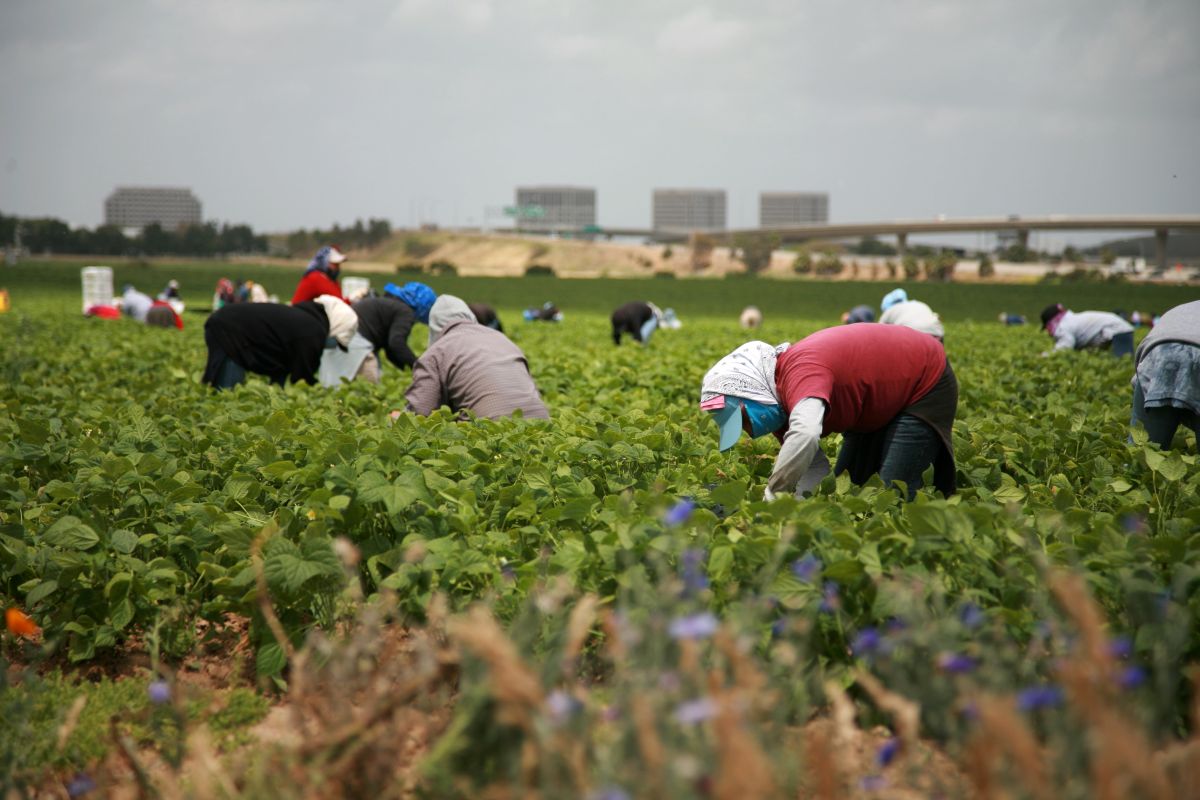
x: 290, y: 113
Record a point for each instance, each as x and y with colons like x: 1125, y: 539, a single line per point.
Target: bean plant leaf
x: 70, y: 533
x: 40, y: 592
x: 406, y: 489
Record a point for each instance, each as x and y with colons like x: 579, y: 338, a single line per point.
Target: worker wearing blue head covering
x: 418, y: 296
x: 387, y: 321
x: 898, y: 309
x: 891, y: 298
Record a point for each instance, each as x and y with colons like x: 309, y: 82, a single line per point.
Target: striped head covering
x: 748, y: 372
x: 327, y: 260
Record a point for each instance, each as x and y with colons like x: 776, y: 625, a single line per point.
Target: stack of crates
x: 97, y: 287
x: 353, y: 286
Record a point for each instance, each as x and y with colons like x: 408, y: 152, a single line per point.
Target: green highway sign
x: 525, y: 212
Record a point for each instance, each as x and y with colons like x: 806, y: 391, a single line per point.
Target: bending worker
x: 470, y: 367
x: 275, y: 340
x: 135, y: 304
x: 1087, y: 329
x: 387, y: 321
x: 638, y: 319
x: 858, y: 314
x: 1166, y: 384
x: 899, y: 310
x: 486, y: 315
x: 889, y: 390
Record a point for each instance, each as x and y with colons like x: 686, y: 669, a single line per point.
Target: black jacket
x: 270, y: 339
x: 386, y: 322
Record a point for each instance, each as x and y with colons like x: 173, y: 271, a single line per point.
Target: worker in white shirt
x: 899, y: 310
x: 1101, y: 330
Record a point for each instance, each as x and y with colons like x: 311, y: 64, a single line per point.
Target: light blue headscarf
x: 891, y: 298
x: 417, y: 295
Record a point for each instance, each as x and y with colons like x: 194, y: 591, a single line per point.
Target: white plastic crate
x: 355, y: 286
x: 97, y: 287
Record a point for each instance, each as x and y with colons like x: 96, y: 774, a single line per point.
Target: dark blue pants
x: 1122, y: 344
x: 901, y: 452
x: 1161, y: 422
x: 228, y: 372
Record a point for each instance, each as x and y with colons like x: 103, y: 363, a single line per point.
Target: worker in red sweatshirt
x: 889, y: 390
x: 321, y: 276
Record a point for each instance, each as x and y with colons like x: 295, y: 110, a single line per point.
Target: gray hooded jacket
x: 471, y: 367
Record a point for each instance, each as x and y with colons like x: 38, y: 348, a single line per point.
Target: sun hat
x: 727, y: 411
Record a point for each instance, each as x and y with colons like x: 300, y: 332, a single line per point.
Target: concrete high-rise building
x: 562, y: 207
x: 138, y: 206
x: 689, y: 210
x: 786, y: 209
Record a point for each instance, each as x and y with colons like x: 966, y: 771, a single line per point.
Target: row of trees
x: 49, y: 235
x: 935, y: 267
x: 359, y: 236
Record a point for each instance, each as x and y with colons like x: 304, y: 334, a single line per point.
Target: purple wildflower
x: 160, y: 692
x: 1120, y: 647
x: 694, y: 579
x: 779, y: 627
x: 872, y: 783
x: 562, y: 705
x: 830, y: 601
x: 1131, y: 677
x: 693, y: 626
x: 806, y: 568
x: 695, y: 711
x: 887, y: 752
x: 971, y: 616
x: 955, y: 663
x: 1036, y: 697
x: 866, y: 642
x: 1134, y: 523
x: 507, y: 571
x: 679, y: 513
x: 80, y: 785
x: 609, y: 793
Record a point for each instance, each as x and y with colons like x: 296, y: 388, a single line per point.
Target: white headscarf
x: 343, y: 322
x: 446, y: 311
x: 748, y: 372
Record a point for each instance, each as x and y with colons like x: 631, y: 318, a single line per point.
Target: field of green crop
x: 134, y: 500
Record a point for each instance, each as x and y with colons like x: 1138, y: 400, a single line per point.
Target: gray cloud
x: 302, y: 112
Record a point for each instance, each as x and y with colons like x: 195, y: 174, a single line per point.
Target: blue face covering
x: 764, y: 418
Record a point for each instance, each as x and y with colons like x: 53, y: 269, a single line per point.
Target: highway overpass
x: 1160, y: 224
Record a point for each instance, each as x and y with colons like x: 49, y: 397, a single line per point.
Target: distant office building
x: 562, y: 207
x: 689, y: 210
x: 138, y: 206
x: 785, y: 209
